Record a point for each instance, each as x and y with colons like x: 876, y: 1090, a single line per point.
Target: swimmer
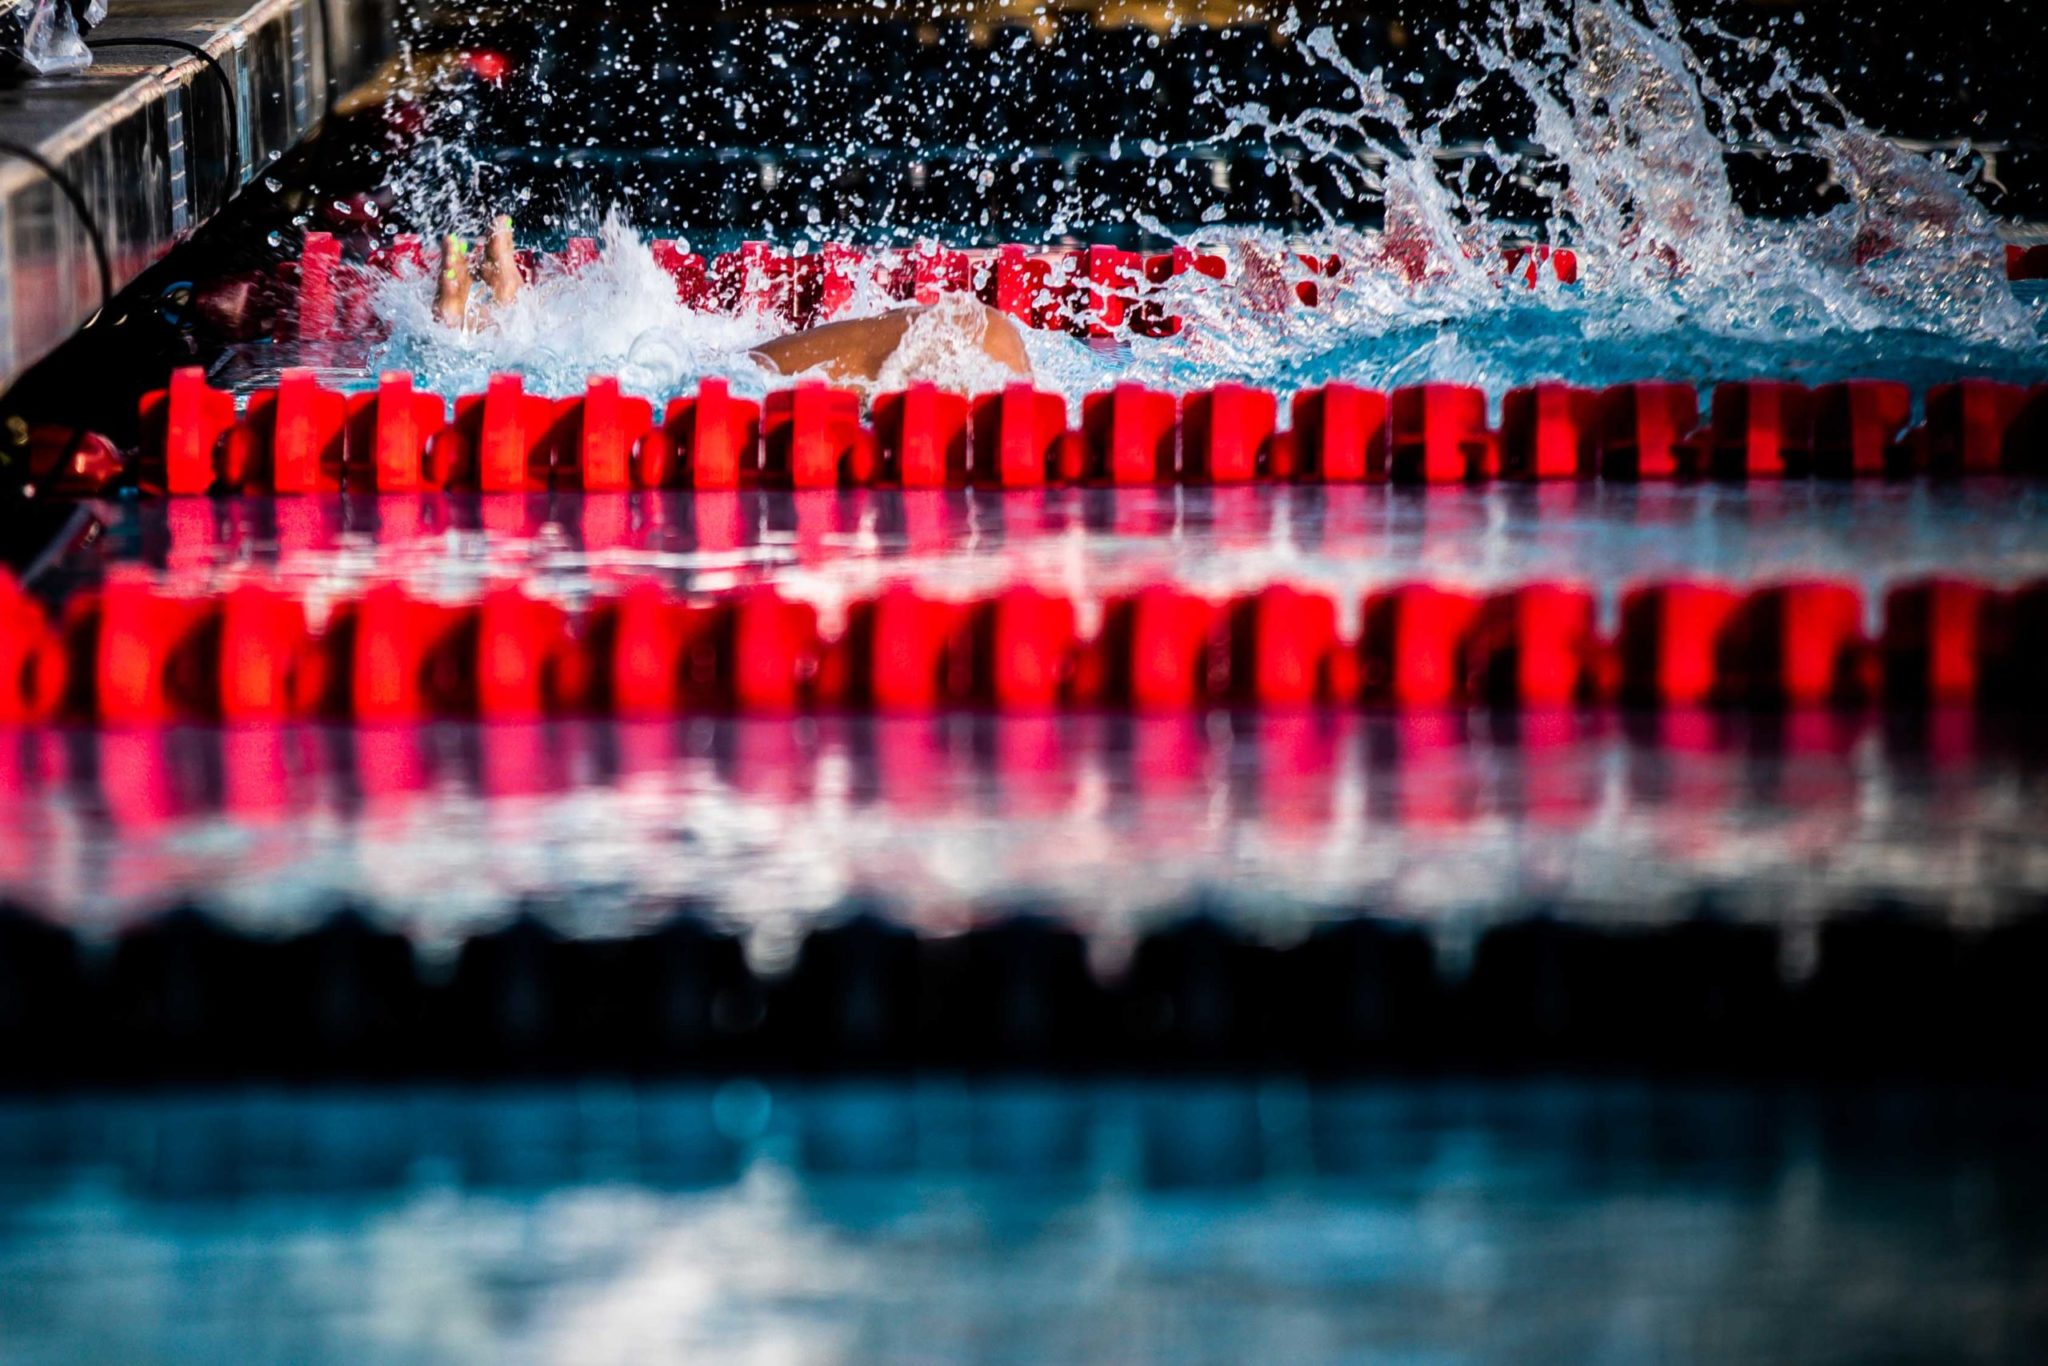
x: 907, y: 344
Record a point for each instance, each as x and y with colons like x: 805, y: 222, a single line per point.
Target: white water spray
x: 1631, y: 129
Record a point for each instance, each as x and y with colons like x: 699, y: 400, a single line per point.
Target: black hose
x: 64, y: 183
x: 99, y: 251
x: 227, y: 91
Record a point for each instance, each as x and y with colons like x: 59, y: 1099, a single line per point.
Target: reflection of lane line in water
x: 1286, y: 818
x: 1342, y: 537
x: 131, y: 652
x: 1877, y: 990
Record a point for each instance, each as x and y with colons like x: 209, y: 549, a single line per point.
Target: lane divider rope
x: 301, y: 436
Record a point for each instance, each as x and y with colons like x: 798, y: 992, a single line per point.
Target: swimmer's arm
x: 850, y: 350
x: 858, y: 348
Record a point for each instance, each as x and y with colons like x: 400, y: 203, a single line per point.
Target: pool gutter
x: 143, y: 138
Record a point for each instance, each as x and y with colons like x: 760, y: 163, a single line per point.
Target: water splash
x: 1906, y: 277
x: 1631, y: 121
x: 1641, y: 130
x: 619, y: 316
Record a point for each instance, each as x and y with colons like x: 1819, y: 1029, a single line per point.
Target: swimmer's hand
x: 451, y: 299
x: 501, y: 263
x: 453, y: 306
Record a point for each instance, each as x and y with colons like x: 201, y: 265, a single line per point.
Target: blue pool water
x: 942, y: 1221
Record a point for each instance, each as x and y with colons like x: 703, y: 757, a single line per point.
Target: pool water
x: 1000, y: 1221
x: 1288, y: 818
x: 1376, y: 328
x: 1607, y: 127
x: 828, y: 545
x: 1186, y: 1218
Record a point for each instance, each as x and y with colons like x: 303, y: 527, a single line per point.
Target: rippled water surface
x: 1087, y: 542
x: 1287, y: 817
x: 1000, y: 1222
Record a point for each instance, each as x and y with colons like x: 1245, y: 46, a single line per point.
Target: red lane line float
x: 1226, y: 434
x: 1673, y: 642
x: 1966, y: 429
x: 1643, y: 428
x: 1758, y: 428
x: 34, y: 661
x: 301, y: 437
x: 183, y: 426
x: 2026, y: 262
x: 812, y: 438
x: 1023, y: 650
x: 1798, y: 645
x: 1340, y: 435
x: 1017, y: 438
x: 1856, y: 425
x: 1129, y: 436
x: 132, y: 652
x: 321, y: 284
x: 1412, y: 645
x: 709, y: 441
x: 1535, y: 646
x: 1440, y: 435
x: 389, y: 431
x: 922, y: 433
x: 1550, y: 431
